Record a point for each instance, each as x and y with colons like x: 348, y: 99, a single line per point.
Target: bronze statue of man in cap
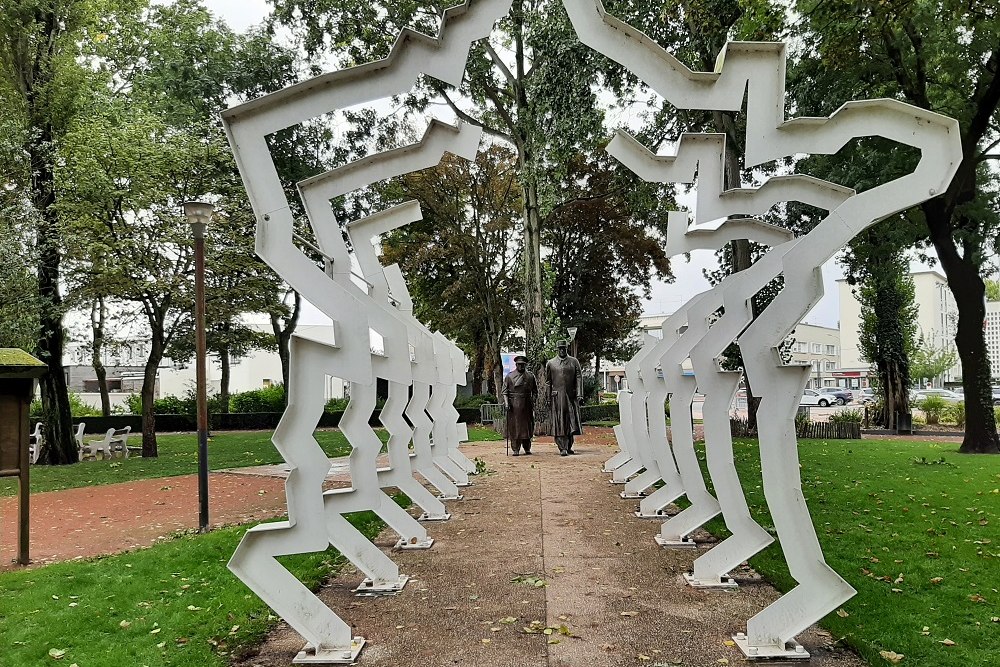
x: 520, y: 391
x: 565, y: 380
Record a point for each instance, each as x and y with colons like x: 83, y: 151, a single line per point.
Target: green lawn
x: 913, y: 527
x: 171, y: 604
x: 179, y: 456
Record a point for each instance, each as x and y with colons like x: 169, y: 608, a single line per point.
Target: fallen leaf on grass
x: 936, y: 580
x: 842, y: 613
x: 124, y: 624
x: 892, y: 656
x: 57, y: 653
x: 947, y: 642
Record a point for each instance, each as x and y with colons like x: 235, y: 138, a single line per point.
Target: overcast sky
x: 665, y: 297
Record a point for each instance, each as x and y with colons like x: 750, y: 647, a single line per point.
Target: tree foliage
x: 929, y: 362
x: 461, y: 260
x: 941, y: 55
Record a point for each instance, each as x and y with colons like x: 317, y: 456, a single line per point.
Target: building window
x: 830, y: 365
x: 831, y: 349
x: 802, y: 347
x: 817, y: 348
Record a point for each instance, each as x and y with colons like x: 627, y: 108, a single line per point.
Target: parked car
x: 810, y: 397
x: 866, y: 396
x: 996, y: 395
x: 944, y: 394
x: 842, y: 396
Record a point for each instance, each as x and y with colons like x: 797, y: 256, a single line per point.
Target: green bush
x: 265, y: 399
x: 955, y: 414
x: 77, y: 408
x: 336, y: 405
x: 996, y: 414
x: 173, y: 405
x: 474, y: 401
x: 932, y: 407
x: 802, y: 422
x: 851, y: 416
x: 919, y: 420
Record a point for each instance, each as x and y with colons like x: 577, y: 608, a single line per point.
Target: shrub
x: 955, y: 414
x: 996, y: 414
x: 932, y: 407
x: 336, y: 405
x: 77, y: 408
x: 852, y: 416
x: 265, y: 399
x: 802, y: 422
x: 474, y: 401
x: 919, y: 420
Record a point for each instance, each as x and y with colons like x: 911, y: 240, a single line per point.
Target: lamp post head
x: 572, y: 332
x: 198, y: 214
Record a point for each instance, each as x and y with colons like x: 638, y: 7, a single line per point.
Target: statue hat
x: 520, y: 357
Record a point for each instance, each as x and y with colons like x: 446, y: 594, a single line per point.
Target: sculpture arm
x: 505, y: 393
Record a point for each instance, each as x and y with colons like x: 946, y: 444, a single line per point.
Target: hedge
x: 233, y: 421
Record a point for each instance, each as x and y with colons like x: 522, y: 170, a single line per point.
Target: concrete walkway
x: 611, y: 596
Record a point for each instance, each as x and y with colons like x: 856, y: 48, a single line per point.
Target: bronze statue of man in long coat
x: 565, y: 380
x: 520, y: 391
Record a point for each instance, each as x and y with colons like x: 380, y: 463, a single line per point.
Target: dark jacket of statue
x: 520, y: 391
x: 565, y: 380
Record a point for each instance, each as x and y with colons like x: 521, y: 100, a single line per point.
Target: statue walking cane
x: 506, y: 428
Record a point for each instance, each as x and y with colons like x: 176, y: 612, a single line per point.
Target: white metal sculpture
x: 316, y: 518
x: 756, y: 72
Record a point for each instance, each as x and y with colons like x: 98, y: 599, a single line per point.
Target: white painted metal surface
x: 314, y: 517
x: 756, y: 72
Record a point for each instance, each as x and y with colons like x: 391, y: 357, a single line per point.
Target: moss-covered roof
x: 16, y: 362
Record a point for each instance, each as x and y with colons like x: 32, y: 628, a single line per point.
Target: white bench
x: 114, y: 441
x: 35, y: 441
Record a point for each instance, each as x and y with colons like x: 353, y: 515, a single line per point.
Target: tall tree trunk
x: 597, y: 374
x: 283, y: 336
x: 98, y: 316
x: 478, y: 364
x: 148, y: 393
x: 969, y: 290
x: 60, y: 445
x: 224, y: 362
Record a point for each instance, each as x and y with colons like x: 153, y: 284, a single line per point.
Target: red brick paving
x: 99, y: 520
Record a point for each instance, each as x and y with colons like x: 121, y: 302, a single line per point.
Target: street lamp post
x: 572, y: 337
x: 198, y: 215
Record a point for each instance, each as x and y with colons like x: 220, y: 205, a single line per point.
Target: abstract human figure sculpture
x: 314, y: 517
x: 755, y: 72
x: 564, y: 378
x: 520, y: 391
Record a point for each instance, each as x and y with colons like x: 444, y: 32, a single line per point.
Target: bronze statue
x: 565, y: 380
x: 520, y: 391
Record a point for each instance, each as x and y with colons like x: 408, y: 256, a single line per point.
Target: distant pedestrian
x: 520, y: 391
x: 565, y: 380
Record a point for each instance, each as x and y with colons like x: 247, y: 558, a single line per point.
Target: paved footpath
x: 619, y: 595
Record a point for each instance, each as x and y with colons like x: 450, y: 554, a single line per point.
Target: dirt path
x: 619, y: 595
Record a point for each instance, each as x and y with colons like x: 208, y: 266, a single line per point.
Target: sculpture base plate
x: 462, y: 485
x: 685, y: 543
x: 415, y: 546
x: 790, y: 651
x: 368, y: 588
x: 628, y: 495
x: 310, y: 656
x: 618, y: 481
x: 458, y: 497
x: 659, y: 514
x: 434, y: 517
x: 725, y: 584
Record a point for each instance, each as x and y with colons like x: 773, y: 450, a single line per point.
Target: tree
x: 941, y: 55
x: 530, y: 86
x: 605, y: 249
x: 461, y: 260
x: 888, y: 321
x: 929, y: 362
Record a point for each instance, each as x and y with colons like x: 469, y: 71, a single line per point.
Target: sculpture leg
x: 703, y: 506
x: 423, y: 455
x: 400, y: 473
x: 364, y: 475
x: 653, y: 505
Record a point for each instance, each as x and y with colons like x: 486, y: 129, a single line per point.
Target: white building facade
x: 937, y: 321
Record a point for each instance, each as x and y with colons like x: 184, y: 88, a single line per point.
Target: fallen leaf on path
x: 629, y: 613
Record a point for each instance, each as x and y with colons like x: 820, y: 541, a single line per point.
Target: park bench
x: 115, y: 440
x: 35, y: 440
